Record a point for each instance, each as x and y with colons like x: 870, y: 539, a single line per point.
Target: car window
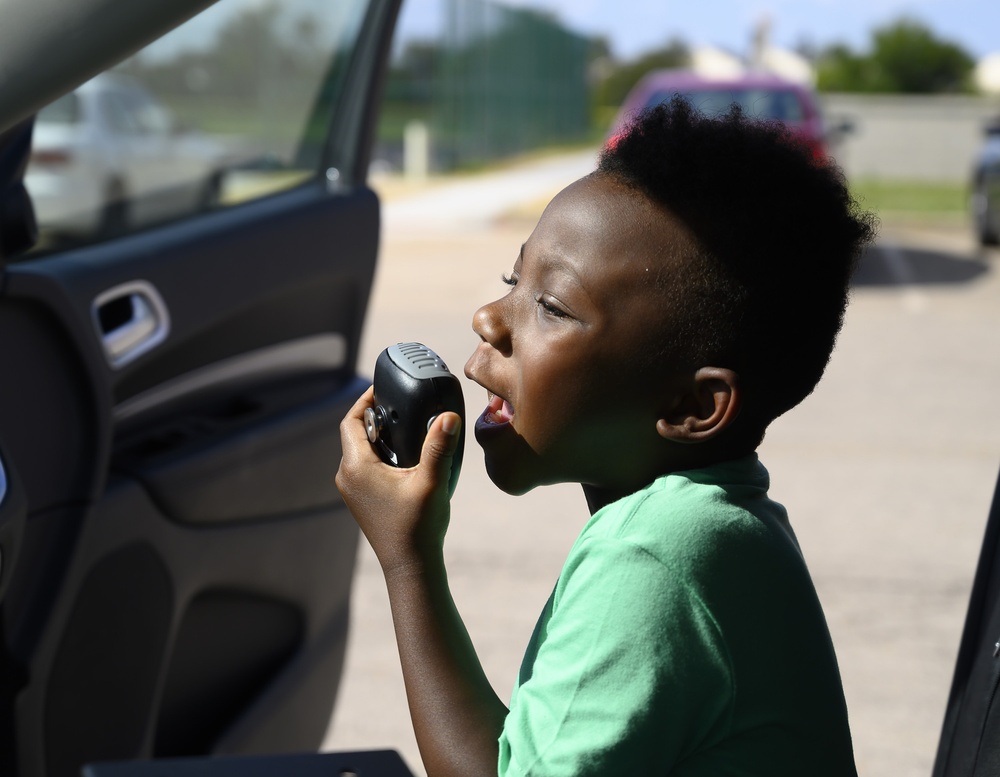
x: 150, y: 117
x: 760, y: 103
x: 222, y: 110
x: 113, y: 115
x: 65, y: 110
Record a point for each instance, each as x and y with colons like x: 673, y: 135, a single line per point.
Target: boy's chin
x: 514, y: 472
x: 508, y: 481
x: 510, y: 462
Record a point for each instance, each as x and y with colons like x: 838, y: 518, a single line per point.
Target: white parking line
x: 914, y: 301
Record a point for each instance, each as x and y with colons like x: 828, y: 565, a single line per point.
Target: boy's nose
x: 488, y: 323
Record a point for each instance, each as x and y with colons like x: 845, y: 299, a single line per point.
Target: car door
x: 179, y: 559
x: 970, y: 736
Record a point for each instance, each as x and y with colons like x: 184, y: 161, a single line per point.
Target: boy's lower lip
x: 487, y: 429
x: 486, y: 419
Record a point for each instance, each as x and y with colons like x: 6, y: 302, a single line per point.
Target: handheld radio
x: 412, y: 387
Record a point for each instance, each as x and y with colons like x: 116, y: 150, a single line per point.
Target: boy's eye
x: 549, y: 308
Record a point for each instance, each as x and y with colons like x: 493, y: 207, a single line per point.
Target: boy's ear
x: 709, y: 404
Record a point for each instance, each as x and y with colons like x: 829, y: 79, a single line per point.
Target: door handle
x: 131, y: 319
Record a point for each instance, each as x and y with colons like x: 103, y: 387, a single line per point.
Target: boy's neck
x: 599, y: 496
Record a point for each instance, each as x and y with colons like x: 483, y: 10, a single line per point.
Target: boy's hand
x: 403, y: 512
x: 457, y: 718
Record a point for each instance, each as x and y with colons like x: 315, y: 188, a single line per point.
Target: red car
x: 760, y: 95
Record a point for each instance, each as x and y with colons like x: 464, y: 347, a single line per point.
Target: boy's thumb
x: 442, y: 442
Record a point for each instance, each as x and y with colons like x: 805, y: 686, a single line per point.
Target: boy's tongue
x: 499, y: 412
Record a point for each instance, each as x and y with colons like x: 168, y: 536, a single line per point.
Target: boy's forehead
x: 600, y: 217
x: 598, y: 191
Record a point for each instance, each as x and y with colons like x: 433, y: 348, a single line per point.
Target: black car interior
x: 175, y: 560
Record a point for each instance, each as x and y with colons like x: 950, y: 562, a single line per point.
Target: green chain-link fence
x: 496, y: 82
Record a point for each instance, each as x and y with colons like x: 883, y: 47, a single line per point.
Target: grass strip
x: 917, y: 198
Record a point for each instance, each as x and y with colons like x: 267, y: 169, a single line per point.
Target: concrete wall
x: 901, y: 137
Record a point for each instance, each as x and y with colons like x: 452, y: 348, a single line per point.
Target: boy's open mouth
x: 498, y: 411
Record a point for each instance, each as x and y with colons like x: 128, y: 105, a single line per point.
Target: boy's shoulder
x: 701, y: 518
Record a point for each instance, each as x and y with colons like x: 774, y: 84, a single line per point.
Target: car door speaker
x: 104, y: 676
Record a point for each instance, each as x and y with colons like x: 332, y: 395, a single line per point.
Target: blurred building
x: 763, y: 58
x: 716, y: 63
x: 909, y: 137
x: 780, y: 62
x: 987, y: 74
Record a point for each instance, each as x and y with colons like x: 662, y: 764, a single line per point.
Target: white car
x: 108, y: 157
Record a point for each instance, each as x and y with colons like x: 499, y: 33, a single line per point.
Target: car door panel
x: 218, y: 421
x: 260, y: 450
x: 206, y: 620
x: 183, y: 575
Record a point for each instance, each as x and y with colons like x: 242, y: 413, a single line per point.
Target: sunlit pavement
x: 887, y: 469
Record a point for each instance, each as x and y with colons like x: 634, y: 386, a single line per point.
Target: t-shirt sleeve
x: 628, y: 674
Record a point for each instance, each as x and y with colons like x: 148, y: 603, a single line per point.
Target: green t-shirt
x: 684, y: 637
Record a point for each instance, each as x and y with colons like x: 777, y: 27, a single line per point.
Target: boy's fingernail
x: 450, y: 425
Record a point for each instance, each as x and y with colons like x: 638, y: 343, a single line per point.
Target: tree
x: 621, y: 78
x: 841, y: 70
x: 905, y: 57
x: 913, y: 60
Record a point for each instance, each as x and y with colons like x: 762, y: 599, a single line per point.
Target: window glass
x: 759, y: 103
x: 65, y: 110
x: 112, y: 114
x: 231, y: 106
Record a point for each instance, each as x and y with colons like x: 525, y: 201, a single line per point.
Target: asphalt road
x: 887, y: 469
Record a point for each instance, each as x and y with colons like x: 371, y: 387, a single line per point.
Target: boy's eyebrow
x: 556, y: 263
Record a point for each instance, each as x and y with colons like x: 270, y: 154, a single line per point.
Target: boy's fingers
x: 353, y: 436
x: 365, y: 401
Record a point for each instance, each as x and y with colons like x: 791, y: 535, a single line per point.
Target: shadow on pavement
x: 891, y: 266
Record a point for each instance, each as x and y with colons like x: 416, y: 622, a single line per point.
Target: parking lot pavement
x: 887, y: 471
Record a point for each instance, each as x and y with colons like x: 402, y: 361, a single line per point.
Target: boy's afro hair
x: 779, y: 238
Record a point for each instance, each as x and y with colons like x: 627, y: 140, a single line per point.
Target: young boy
x: 664, y: 311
